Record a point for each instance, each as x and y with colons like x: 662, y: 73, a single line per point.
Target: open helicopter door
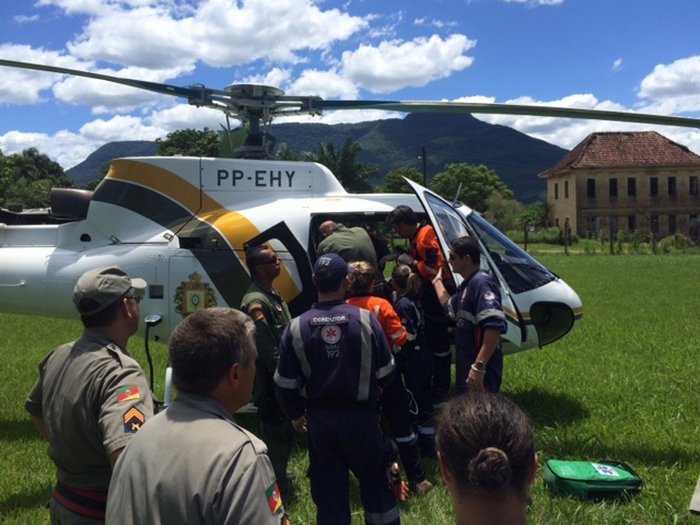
x: 281, y: 239
x: 450, y: 225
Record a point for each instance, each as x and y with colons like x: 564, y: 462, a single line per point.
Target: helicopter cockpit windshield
x: 519, y: 269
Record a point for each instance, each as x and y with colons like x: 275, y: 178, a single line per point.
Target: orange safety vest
x: 395, y: 332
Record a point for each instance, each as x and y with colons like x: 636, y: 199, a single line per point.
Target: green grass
x: 622, y: 386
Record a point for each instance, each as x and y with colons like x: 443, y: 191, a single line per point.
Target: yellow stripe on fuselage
x: 235, y: 228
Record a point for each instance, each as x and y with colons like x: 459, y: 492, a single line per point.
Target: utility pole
x: 425, y: 166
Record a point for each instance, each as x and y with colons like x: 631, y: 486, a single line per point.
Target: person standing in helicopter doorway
x: 426, y: 260
x: 270, y: 313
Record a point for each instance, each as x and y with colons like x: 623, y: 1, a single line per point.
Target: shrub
x: 551, y: 235
x: 675, y: 243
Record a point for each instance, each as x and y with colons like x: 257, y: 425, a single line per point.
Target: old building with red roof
x: 626, y: 181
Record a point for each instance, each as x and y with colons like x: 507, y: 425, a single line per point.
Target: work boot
x: 422, y: 488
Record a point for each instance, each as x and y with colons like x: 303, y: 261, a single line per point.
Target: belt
x: 87, y: 503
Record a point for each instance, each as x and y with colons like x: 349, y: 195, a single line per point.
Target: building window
x: 693, y: 185
x: 671, y: 224
x: 654, y: 187
x: 693, y: 229
x: 672, y: 187
x: 590, y: 225
x: 631, y: 187
x: 632, y: 223
x: 613, y: 188
x: 556, y: 190
x: 566, y: 189
x: 654, y: 224
x: 590, y: 188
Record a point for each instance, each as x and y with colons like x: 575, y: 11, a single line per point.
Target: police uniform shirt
x: 193, y: 464
x: 92, y: 397
x: 475, y: 307
x: 334, y: 352
x: 271, y: 315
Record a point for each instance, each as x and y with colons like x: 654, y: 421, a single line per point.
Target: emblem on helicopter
x: 193, y: 295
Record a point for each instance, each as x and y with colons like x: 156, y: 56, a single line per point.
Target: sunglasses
x: 135, y: 298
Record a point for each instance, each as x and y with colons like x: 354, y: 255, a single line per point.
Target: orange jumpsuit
x: 426, y: 251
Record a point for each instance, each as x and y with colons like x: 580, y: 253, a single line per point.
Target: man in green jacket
x: 270, y: 313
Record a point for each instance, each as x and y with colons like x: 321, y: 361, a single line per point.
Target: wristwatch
x: 480, y: 366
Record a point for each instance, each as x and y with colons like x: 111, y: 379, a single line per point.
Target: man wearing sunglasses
x: 91, y: 396
x: 480, y: 321
x: 270, y: 313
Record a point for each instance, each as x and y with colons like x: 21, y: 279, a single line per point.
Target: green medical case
x: 591, y: 480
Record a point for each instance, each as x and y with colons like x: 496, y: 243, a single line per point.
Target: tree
x: 535, y: 214
x: 394, y: 183
x: 353, y: 175
x: 478, y: 183
x: 190, y: 142
x: 101, y: 174
x: 26, y: 179
x: 505, y: 214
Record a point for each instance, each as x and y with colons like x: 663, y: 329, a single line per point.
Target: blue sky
x: 637, y: 55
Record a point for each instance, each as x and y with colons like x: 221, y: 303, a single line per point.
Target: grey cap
x: 100, y: 287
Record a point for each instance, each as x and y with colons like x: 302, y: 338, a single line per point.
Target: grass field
x: 622, y: 386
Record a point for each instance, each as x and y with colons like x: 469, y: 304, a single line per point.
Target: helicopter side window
x: 521, y: 272
x: 450, y: 224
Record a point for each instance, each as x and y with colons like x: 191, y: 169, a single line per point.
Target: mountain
x: 447, y: 138
x: 88, y: 169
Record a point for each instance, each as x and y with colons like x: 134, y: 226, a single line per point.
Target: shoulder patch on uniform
x: 128, y: 393
x: 274, y: 499
x: 133, y: 419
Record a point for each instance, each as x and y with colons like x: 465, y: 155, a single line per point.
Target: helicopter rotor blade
x: 253, y: 103
x: 510, y: 109
x: 190, y: 93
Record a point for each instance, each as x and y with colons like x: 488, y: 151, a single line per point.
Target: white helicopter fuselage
x: 182, y: 224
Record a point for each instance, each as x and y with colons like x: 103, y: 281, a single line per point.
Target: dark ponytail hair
x: 487, y: 443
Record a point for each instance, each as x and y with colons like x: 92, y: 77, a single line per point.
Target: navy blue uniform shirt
x: 335, y: 352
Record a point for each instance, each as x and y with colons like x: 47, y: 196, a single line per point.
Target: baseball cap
x: 333, y: 266
x: 98, y: 288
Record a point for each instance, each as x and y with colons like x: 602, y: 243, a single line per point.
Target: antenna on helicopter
x: 455, y: 201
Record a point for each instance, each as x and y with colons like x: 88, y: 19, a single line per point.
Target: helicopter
x: 183, y: 223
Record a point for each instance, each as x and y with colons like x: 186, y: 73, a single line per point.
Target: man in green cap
x: 91, y: 396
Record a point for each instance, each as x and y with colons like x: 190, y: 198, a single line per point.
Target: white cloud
x: 567, y: 133
x: 617, y: 65
x: 22, y: 19
x: 220, y: 33
x: 23, y: 86
x: 395, y: 65
x: 326, y: 84
x: 672, y: 88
